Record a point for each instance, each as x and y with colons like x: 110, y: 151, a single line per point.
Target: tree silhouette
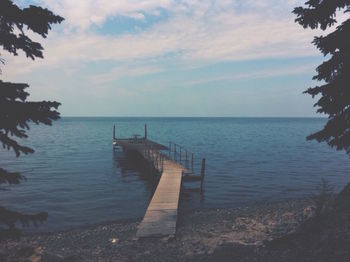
x: 333, y: 73
x: 15, y: 112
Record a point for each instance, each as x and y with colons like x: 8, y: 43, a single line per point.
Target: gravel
x: 200, y: 236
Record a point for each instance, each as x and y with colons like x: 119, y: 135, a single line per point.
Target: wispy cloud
x: 124, y: 71
x: 255, y: 74
x: 178, y: 43
x: 195, y: 31
x: 81, y: 14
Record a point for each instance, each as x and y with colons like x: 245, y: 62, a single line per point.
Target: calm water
x: 76, y: 177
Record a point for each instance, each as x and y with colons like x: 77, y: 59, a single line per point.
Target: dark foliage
x: 34, y: 18
x: 9, y: 218
x: 10, y: 178
x: 15, y: 112
x: 334, y: 74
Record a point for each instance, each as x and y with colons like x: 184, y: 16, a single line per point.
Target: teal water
x: 76, y: 177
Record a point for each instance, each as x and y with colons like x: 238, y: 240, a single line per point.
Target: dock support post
x: 114, y: 138
x: 145, y: 131
x: 202, y: 173
x: 192, y: 162
x: 180, y: 154
x: 175, y: 152
x: 170, y: 149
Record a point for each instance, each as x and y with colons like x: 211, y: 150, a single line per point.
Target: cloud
x: 124, y: 71
x: 195, y: 32
x: 82, y: 14
x: 259, y: 74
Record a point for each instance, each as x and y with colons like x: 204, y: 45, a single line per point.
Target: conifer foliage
x: 15, y: 111
x: 333, y: 74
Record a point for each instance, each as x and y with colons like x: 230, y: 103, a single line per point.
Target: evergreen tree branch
x: 320, y: 13
x: 9, y: 143
x: 35, y: 18
x: 15, y: 113
x: 336, y: 132
x: 335, y: 73
x: 10, y: 177
x: 11, y: 91
x: 338, y: 40
x: 10, y: 218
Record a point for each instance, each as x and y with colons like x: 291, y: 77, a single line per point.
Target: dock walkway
x: 161, y: 214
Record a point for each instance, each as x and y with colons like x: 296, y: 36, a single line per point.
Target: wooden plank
x: 159, y: 206
x: 156, y: 230
x: 161, y: 215
x: 165, y: 214
x: 158, y: 223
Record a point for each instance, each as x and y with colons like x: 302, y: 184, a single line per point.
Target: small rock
x: 114, y: 240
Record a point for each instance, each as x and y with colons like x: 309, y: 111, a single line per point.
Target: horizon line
x: 66, y: 116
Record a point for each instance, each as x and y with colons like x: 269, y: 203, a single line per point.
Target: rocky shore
x: 201, y: 235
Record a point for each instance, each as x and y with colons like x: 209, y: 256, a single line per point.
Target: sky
x: 229, y: 58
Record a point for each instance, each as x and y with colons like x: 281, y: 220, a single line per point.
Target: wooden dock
x: 161, y: 214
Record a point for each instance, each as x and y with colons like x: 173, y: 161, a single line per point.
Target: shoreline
x: 182, y: 213
x: 199, y: 232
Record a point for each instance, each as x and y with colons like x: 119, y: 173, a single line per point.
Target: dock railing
x: 181, y: 155
x: 157, y: 153
x: 175, y: 152
x: 155, y: 156
x: 186, y: 158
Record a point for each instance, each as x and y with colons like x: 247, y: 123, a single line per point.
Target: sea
x: 79, y: 179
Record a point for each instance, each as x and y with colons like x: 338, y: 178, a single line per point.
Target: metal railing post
x: 156, y: 160
x: 170, y: 149
x: 162, y: 163
x: 180, y: 153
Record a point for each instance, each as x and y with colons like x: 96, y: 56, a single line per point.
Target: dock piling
x: 202, y: 173
x: 192, y: 162
x: 145, y: 131
x: 114, y: 138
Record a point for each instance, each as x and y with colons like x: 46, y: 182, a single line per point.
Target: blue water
x: 76, y: 177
